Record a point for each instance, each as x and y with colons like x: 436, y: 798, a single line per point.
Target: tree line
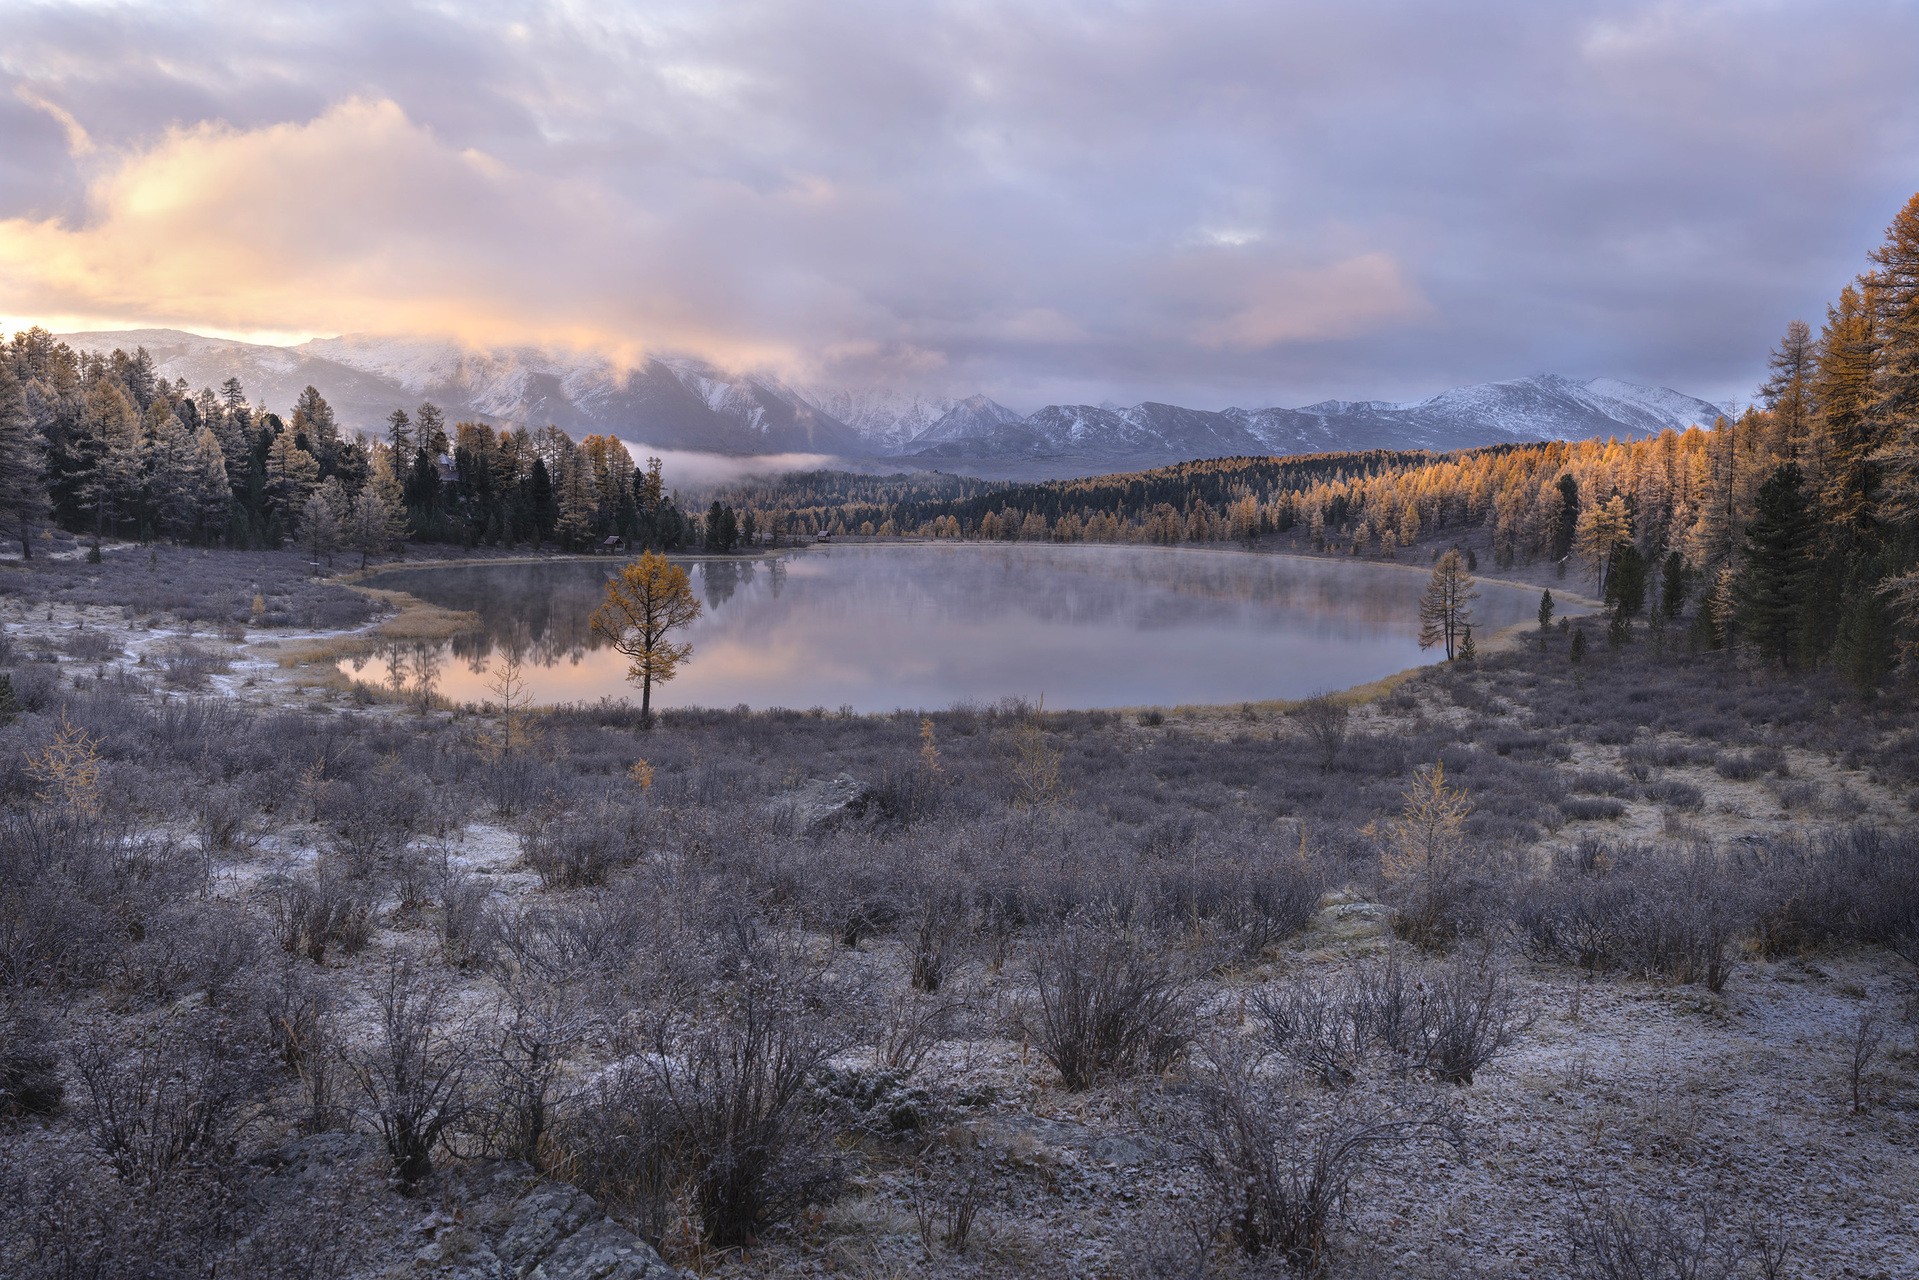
x: 103, y: 446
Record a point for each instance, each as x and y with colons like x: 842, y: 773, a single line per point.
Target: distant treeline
x: 103, y: 446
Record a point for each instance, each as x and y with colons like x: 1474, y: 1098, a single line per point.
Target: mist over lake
x: 877, y: 628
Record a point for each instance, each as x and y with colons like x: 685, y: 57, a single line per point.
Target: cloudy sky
x: 1209, y: 203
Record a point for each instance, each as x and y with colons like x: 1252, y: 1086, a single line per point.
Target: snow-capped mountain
x: 888, y: 420
x: 668, y: 403
x: 674, y: 402
x: 1545, y: 407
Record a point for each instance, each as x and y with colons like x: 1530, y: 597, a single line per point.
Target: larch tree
x: 1604, y: 527
x: 644, y: 605
x: 1788, y: 394
x: 1446, y: 610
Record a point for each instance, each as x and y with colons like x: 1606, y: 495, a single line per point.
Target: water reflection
x: 881, y: 627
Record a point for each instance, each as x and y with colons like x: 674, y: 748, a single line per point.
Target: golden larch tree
x: 649, y: 598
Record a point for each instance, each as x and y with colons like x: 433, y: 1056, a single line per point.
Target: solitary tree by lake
x: 1446, y: 612
x: 647, y: 600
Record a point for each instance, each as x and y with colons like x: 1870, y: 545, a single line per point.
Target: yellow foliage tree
x: 648, y: 599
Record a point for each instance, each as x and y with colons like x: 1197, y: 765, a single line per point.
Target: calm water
x: 925, y: 626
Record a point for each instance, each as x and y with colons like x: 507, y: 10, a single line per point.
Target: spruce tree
x: 1772, y: 590
x: 1863, y: 647
x: 23, y: 464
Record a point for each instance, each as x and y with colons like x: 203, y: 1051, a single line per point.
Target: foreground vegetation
x: 1535, y: 966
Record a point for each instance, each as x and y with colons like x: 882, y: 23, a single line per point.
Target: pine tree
x: 23, y: 464
x: 1772, y: 592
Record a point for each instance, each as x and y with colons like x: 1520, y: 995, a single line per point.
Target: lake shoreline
x: 415, y: 619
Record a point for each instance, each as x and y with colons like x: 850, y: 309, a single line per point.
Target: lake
x: 880, y: 627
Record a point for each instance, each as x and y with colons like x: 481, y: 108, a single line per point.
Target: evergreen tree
x: 23, y: 464
x: 1566, y: 523
x: 542, y: 506
x: 1863, y: 651
x: 1673, y: 585
x: 211, y: 495
x: 1625, y: 591
x: 292, y: 474
x: 1772, y: 587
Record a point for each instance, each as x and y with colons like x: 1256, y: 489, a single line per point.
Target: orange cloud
x: 359, y: 220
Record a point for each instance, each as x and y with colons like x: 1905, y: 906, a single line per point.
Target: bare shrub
x: 939, y: 922
x: 298, y: 1010
x: 1321, y: 1024
x: 574, y: 850
x: 469, y: 930
x: 177, y: 1102
x: 413, y: 1076
x: 1325, y: 721
x: 1446, y: 1019
x: 30, y: 1081
x: 1856, y: 885
x: 315, y: 914
x: 1108, y: 1001
x: 1647, y: 1239
x: 1668, y: 912
x: 1470, y: 1012
x: 91, y: 646
x: 189, y: 666
x: 1868, y: 1036
x: 719, y: 1103
x: 1278, y: 1168
x: 539, y: 1025
x: 910, y: 1026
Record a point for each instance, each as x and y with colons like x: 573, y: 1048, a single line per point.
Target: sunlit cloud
x: 1212, y: 202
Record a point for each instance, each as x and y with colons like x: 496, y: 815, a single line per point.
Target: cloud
x: 1209, y: 201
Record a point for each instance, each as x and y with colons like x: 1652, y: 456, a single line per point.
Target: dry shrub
x: 1279, y: 1163
x: 1108, y: 1001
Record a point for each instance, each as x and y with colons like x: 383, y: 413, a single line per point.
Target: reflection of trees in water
x: 719, y: 579
x: 542, y: 609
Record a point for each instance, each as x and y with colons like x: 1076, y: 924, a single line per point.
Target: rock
x: 560, y: 1233
x: 828, y: 802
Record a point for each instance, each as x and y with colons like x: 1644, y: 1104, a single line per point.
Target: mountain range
x: 688, y: 404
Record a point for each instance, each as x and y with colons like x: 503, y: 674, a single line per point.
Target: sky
x: 1195, y: 201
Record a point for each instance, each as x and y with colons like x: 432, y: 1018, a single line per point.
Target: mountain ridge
x: 681, y: 402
